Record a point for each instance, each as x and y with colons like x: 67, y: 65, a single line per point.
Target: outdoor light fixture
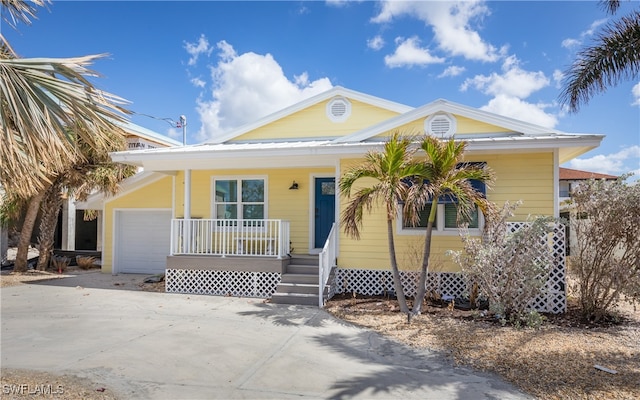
x: 294, y: 186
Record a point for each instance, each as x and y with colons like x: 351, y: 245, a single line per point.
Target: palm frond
x: 20, y: 10
x: 613, y: 57
x: 41, y: 99
x: 610, y: 6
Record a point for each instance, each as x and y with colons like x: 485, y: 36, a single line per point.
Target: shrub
x: 510, y: 268
x: 605, y: 217
x: 60, y: 263
x: 85, y: 262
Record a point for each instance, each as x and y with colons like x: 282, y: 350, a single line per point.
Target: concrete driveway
x: 170, y: 346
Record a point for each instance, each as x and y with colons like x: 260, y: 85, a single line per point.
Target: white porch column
x: 187, y: 194
x: 68, y: 225
x: 99, y: 233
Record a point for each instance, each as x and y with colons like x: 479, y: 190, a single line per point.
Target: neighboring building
x: 569, y: 179
x: 73, y: 232
x: 222, y: 217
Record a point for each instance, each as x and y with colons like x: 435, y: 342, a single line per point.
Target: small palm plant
x: 390, y: 171
x: 444, y: 174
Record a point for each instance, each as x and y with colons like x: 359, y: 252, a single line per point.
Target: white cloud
x: 409, y: 53
x: 572, y: 43
x: 339, y: 3
x: 635, y: 91
x: 513, y: 82
x: 452, y: 70
x: 247, y: 87
x: 452, y: 24
x: 516, y: 108
x: 198, y: 82
x: 375, y: 43
x: 592, y: 28
x: 622, y: 162
x: 558, y: 76
x: 197, y: 49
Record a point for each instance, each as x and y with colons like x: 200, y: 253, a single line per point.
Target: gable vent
x: 440, y: 125
x: 339, y: 109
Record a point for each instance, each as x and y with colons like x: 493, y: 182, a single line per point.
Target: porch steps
x: 299, y: 284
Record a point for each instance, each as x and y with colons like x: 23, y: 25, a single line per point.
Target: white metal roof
x: 148, y: 134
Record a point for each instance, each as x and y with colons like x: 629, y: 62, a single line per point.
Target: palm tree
x: 94, y: 171
x: 444, y: 174
x: 390, y: 169
x: 40, y: 99
x: 613, y: 57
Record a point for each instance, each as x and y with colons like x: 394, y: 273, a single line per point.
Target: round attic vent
x: 338, y: 109
x: 440, y: 125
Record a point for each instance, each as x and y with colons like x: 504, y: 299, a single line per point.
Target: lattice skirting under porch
x: 380, y: 282
x: 222, y: 283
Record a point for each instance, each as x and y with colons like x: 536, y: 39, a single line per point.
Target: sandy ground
x: 556, y: 361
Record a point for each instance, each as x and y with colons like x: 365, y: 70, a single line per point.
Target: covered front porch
x: 249, y: 258
x: 231, y: 237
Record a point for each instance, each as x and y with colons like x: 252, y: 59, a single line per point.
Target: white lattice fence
x: 222, y: 283
x: 380, y: 282
x: 552, y: 298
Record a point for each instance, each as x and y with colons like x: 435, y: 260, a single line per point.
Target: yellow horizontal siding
x: 154, y: 195
x: 463, y: 126
x: 530, y: 179
x: 313, y: 122
x: 282, y: 203
x: 467, y: 125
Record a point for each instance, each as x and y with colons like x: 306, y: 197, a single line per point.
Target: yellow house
x: 248, y: 212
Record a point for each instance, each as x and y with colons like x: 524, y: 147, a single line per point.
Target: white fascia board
x: 333, y: 92
x: 441, y: 105
x: 582, y: 142
x: 325, y: 153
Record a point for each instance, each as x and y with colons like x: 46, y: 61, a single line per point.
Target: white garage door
x: 142, y: 241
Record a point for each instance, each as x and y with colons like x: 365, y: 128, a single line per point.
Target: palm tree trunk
x: 397, y: 282
x: 422, y: 282
x: 26, y: 231
x: 50, y: 210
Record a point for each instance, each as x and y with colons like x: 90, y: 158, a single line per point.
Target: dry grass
x: 26, y: 384
x: 86, y: 262
x: 554, y: 362
x: 19, y: 278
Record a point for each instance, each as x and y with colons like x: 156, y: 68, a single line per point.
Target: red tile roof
x: 574, y: 174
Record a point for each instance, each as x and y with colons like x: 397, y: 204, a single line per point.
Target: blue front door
x: 325, y: 209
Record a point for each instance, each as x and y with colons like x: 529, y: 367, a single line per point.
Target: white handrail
x: 223, y: 237
x: 326, y: 262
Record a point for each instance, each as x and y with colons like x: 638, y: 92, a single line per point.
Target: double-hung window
x: 447, y: 219
x: 239, y: 198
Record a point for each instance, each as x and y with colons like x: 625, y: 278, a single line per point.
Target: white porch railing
x: 237, y: 237
x: 326, y: 261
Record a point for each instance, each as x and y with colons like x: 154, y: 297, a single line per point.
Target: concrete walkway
x: 146, y: 345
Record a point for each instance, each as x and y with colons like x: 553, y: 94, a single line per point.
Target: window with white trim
x: 447, y: 219
x: 241, y: 198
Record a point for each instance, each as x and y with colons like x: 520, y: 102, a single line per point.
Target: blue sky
x: 223, y: 64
